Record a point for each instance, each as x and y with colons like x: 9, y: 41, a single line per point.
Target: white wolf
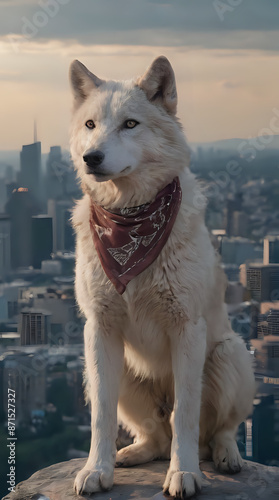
x: 163, y: 351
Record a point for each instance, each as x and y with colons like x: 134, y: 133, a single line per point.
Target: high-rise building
x: 5, y: 245
x: 61, y: 182
x: 240, y: 222
x: 34, y: 326
x: 265, y: 429
x: 21, y: 207
x: 3, y: 194
x: 42, y: 245
x: 9, y: 173
x: 261, y: 281
x: 30, y: 169
x: 273, y: 323
x: 69, y: 235
x: 6, y: 181
x: 26, y: 374
x: 60, y: 211
x: 233, y: 205
x: 10, y: 188
x: 236, y: 250
x: 55, y: 174
x: 271, y: 249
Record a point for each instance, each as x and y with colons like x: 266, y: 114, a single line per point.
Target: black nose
x: 94, y: 158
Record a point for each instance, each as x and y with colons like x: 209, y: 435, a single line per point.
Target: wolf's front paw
x: 180, y: 484
x: 93, y: 480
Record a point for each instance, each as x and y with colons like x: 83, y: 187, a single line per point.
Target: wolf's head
x: 125, y: 134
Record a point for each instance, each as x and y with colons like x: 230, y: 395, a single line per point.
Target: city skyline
x: 42, y: 327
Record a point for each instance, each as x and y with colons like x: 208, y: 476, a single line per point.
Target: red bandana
x: 129, y: 240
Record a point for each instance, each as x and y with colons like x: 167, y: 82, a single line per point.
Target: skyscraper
x: 42, y: 246
x: 262, y: 281
x: 60, y: 211
x: 69, y: 234
x: 271, y: 249
x: 30, y: 169
x: 3, y: 194
x: 273, y: 323
x: 236, y: 250
x: 61, y: 182
x: 5, y: 245
x: 21, y: 206
x: 233, y: 205
x: 55, y: 174
x: 34, y: 326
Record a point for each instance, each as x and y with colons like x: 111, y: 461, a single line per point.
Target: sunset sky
x: 225, y: 55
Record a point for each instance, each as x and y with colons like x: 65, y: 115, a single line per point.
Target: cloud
x: 150, y: 22
x: 244, y: 41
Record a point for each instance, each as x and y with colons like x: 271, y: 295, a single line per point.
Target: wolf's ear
x: 82, y: 81
x: 158, y: 82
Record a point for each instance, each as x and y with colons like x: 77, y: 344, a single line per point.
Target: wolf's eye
x: 130, y: 123
x: 90, y: 124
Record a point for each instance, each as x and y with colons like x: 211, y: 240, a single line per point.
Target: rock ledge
x: 144, y: 482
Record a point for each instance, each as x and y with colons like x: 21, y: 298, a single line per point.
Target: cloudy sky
x: 224, y: 53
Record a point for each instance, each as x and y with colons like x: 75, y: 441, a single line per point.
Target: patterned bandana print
x: 130, y: 239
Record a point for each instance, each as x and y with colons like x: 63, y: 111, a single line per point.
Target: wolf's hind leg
x: 229, y: 389
x: 145, y: 413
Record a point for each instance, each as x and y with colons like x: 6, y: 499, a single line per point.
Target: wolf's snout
x: 94, y: 158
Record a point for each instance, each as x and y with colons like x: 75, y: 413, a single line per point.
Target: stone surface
x: 144, y: 482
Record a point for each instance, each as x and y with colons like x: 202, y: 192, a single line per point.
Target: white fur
x: 164, y: 351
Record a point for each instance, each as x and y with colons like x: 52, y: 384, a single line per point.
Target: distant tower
x: 55, y: 174
x: 34, y: 326
x: 21, y: 207
x: 271, y: 249
x: 61, y: 182
x: 5, y: 245
x: 233, y: 205
x: 41, y: 239
x: 262, y: 281
x: 30, y: 167
x: 60, y: 211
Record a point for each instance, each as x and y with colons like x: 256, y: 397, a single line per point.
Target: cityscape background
x: 224, y: 58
